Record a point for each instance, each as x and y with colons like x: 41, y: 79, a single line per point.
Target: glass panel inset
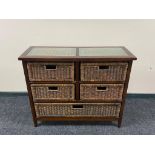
x: 50, y: 51
x: 104, y: 51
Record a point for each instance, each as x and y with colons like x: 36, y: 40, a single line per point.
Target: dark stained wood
x: 130, y: 56
x: 77, y: 51
x: 124, y: 93
x: 129, y: 53
x: 103, y: 82
x: 77, y: 118
x: 74, y: 82
x: 76, y: 101
x: 30, y: 94
x: 77, y: 79
x: 77, y: 60
x: 25, y: 53
x: 52, y: 82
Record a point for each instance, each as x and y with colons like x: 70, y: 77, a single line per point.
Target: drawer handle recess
x: 101, y: 88
x: 103, y: 67
x: 77, y: 106
x: 53, y: 88
x: 50, y: 67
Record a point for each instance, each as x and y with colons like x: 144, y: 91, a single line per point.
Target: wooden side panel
x: 124, y: 93
x: 29, y: 93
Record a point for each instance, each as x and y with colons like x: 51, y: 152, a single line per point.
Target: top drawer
x: 51, y: 71
x: 103, y: 71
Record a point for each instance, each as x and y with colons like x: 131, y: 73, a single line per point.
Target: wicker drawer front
x: 101, y: 91
x: 58, y: 109
x: 103, y: 71
x: 52, y: 91
x: 51, y: 71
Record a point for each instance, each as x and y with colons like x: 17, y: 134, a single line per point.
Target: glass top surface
x: 111, y: 51
x: 50, y: 51
x: 83, y: 51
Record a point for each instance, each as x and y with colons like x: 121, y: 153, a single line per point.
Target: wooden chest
x: 77, y: 83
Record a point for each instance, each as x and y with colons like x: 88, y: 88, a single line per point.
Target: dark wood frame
x: 77, y: 60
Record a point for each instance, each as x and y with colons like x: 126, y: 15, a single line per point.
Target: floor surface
x: 15, y: 119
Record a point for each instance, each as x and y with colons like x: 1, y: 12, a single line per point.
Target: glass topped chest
x: 77, y: 83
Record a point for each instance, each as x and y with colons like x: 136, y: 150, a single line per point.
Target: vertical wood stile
x: 30, y: 94
x: 124, y: 93
x: 77, y: 77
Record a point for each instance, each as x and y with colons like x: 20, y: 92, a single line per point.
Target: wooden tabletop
x: 91, y: 53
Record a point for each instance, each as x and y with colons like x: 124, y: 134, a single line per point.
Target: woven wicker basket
x: 101, y: 91
x: 51, y: 71
x: 62, y: 109
x: 103, y: 71
x: 52, y: 91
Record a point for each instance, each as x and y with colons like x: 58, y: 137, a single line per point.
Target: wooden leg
x: 119, y: 122
x: 35, y: 122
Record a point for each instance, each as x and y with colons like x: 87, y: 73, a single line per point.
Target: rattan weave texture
x: 103, y: 71
x: 101, y: 91
x: 62, y: 109
x: 52, y: 91
x: 51, y: 71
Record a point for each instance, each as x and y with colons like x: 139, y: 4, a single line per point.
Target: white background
x: 137, y: 35
x: 75, y: 9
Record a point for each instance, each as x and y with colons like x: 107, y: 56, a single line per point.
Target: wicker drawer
x: 58, y: 109
x: 101, y: 91
x: 103, y: 71
x: 52, y: 91
x: 51, y: 71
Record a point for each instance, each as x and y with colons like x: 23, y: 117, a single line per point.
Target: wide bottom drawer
x: 87, y: 109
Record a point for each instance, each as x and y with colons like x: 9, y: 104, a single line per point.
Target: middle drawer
x: 101, y: 91
x: 52, y: 92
